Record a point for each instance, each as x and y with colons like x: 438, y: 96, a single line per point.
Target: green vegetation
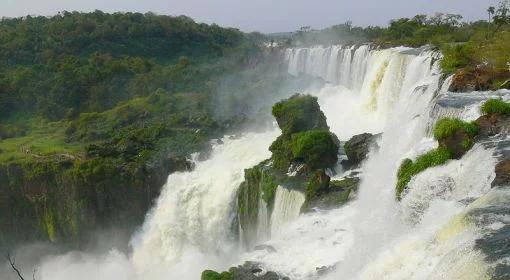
x: 315, y: 148
x: 299, y: 113
x: 479, y: 48
x: 495, y: 106
x: 213, y: 275
x: 96, y: 109
x: 447, y: 127
x: 305, y: 134
x: 408, y: 168
x: 452, y: 145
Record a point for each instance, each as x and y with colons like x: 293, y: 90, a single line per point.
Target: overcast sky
x: 262, y: 15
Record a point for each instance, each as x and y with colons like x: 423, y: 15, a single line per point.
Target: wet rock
x: 466, y: 80
x: 336, y: 193
x: 247, y: 271
x: 493, y: 124
x: 502, y: 174
x: 357, y: 149
x: 323, y: 270
x: 458, y: 143
x: 264, y: 247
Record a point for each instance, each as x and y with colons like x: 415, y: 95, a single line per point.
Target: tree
x: 502, y: 14
x: 491, y: 10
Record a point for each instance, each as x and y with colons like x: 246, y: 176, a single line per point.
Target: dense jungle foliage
x: 97, y: 109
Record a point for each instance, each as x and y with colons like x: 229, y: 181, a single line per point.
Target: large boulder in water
x: 299, y: 113
x: 305, y: 135
x: 357, y: 148
x: 493, y: 124
x: 325, y: 194
x: 502, y: 171
x: 247, y: 271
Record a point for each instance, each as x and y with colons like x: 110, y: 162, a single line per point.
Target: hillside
x: 97, y: 109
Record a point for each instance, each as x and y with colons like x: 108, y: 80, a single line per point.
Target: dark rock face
x: 470, y: 80
x: 490, y: 125
x: 58, y: 204
x: 357, y: 149
x: 332, y: 195
x: 502, y: 174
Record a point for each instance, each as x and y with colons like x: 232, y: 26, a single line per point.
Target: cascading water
x: 425, y: 236
x: 445, y: 227
x: 195, y: 209
x: 287, y: 206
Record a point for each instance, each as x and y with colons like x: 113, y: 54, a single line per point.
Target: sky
x: 262, y: 15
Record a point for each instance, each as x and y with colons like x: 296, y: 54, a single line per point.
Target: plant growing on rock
x: 408, y: 168
x: 495, y: 106
x: 315, y: 148
x: 447, y: 127
x: 455, y: 138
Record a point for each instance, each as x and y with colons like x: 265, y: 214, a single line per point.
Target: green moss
x: 495, y: 106
x: 316, y: 148
x: 447, y: 127
x: 281, y: 150
x: 213, y: 275
x: 299, y: 113
x: 49, y: 224
x: 408, y: 168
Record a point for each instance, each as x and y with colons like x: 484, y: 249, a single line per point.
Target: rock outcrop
x: 300, y: 158
x: 502, y: 171
x: 493, y: 124
x: 247, y: 271
x: 357, y: 149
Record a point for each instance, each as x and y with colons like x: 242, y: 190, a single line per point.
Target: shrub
x: 447, y: 127
x: 408, y: 168
x: 495, y: 106
x: 456, y: 57
x: 316, y: 148
x: 213, y: 275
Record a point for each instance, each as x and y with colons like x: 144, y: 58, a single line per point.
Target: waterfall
x: 429, y: 234
x: 450, y: 223
x: 287, y: 206
x: 195, y: 209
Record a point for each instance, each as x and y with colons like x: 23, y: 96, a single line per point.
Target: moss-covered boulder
x: 496, y: 118
x: 300, y: 158
x: 455, y: 135
x: 357, y: 149
x: 305, y: 135
x: 316, y: 148
x: 331, y: 195
x: 213, y: 275
x: 247, y: 271
x: 409, y: 168
x: 299, y: 113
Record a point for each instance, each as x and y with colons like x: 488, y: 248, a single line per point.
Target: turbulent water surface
x: 445, y: 227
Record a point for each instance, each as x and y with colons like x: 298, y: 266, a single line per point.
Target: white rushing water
x: 429, y: 234
x: 375, y: 237
x: 287, y: 205
x: 194, y: 213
